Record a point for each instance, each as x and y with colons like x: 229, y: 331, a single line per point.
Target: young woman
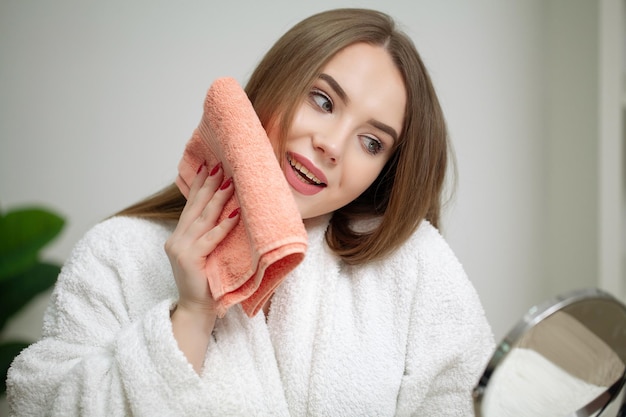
x: 379, y: 319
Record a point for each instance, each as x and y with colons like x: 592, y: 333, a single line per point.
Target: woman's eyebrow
x: 335, y: 86
x: 385, y: 128
x: 344, y: 97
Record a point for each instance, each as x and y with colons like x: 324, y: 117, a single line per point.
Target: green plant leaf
x: 8, y: 352
x: 18, y: 290
x: 23, y: 232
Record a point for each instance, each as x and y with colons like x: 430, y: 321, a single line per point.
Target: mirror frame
x: 534, y: 316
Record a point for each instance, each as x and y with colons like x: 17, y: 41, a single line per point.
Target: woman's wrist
x: 193, y: 316
x: 193, y: 328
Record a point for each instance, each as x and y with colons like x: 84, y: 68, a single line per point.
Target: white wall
x: 97, y: 100
x: 573, y: 147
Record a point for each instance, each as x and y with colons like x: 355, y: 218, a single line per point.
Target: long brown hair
x: 409, y: 188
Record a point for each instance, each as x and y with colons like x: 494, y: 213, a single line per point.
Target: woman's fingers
x: 206, y: 214
x: 213, y: 208
x: 201, y: 175
x: 211, y: 239
x: 198, y: 231
x: 202, y: 189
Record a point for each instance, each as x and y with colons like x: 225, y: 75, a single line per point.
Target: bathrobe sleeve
x: 104, y: 352
x: 449, y: 340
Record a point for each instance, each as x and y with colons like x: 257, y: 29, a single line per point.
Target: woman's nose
x: 330, y: 145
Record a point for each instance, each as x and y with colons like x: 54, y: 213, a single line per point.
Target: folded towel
x: 270, y: 239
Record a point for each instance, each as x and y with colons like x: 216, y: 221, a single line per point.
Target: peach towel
x: 270, y: 239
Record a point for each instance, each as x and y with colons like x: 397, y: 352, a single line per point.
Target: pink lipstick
x: 303, y: 175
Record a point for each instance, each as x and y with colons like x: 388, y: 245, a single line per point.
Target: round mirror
x: 566, y: 357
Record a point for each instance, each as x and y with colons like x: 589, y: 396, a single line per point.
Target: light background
x: 97, y: 100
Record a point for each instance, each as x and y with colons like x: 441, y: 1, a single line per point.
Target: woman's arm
x: 197, y: 234
x: 107, y: 347
x: 449, y: 339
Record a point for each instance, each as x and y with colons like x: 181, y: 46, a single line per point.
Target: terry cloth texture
x: 402, y: 337
x: 270, y: 239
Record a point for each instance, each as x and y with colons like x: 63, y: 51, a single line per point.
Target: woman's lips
x: 303, y: 175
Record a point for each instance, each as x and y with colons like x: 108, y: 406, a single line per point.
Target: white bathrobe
x: 406, y: 336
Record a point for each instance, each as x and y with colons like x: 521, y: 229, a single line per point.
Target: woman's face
x: 343, y: 132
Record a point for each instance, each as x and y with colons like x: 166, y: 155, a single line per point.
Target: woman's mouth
x: 303, y: 176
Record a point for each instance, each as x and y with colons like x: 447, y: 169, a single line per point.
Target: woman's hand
x: 197, y: 234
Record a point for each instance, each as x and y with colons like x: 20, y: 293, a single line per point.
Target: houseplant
x: 24, y: 232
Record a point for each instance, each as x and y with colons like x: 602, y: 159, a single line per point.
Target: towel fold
x: 270, y: 239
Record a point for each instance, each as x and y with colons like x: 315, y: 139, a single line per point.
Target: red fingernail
x: 215, y: 169
x: 200, y: 168
x: 234, y: 213
x: 226, y: 184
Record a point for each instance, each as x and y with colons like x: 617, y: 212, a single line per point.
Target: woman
x: 379, y: 319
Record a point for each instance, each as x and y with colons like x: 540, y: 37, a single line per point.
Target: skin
x: 345, y: 130
x: 342, y: 136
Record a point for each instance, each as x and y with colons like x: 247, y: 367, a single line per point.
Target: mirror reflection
x: 567, y: 357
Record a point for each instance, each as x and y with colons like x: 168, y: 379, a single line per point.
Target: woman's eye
x: 322, y: 101
x: 372, y: 145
